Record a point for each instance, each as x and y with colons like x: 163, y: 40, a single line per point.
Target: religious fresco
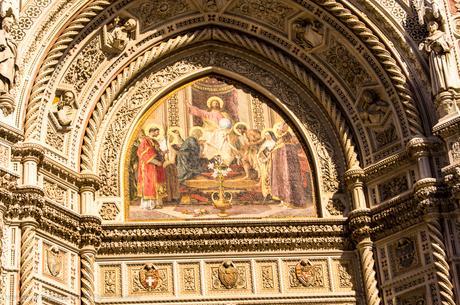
x: 213, y: 151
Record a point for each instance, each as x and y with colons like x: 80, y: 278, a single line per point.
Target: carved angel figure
x: 442, y: 67
x: 65, y: 111
x: 307, y: 33
x: 115, y: 37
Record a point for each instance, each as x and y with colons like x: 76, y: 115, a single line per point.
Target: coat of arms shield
x: 54, y: 261
x: 149, y: 276
x: 228, y: 274
x: 306, y: 273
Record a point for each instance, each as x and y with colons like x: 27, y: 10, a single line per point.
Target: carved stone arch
x: 132, y: 100
x: 121, y: 81
x: 335, y: 9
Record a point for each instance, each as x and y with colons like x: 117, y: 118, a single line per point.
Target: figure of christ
x: 151, y: 181
x: 216, y: 127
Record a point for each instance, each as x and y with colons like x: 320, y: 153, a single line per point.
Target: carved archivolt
x: 133, y: 101
x: 39, y: 92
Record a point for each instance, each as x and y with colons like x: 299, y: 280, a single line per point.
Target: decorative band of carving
x: 28, y: 248
x: 439, y: 256
x: 367, y: 266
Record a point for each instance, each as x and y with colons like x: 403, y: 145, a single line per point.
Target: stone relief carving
x: 116, y: 35
x: 335, y: 207
x: 63, y: 110
x: 404, y: 255
x: 109, y: 211
x: 154, y: 12
x: 54, y: 261
x: 346, y: 66
x: 273, y: 12
x: 393, y: 187
x: 234, y: 277
x: 228, y: 274
x: 8, y: 67
x: 86, y: 62
x: 268, y: 279
x: 372, y: 109
x: 147, y: 87
x: 4, y: 156
x: 149, y: 277
x: 455, y: 150
x: 345, y: 277
x: 307, y: 33
x: 54, y: 138
x: 445, y: 81
x: 308, y: 275
x: 54, y: 192
x: 385, y: 136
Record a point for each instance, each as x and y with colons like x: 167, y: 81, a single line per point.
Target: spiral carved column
x: 87, y: 258
x: 439, y: 256
x: 28, y: 248
x: 360, y: 224
x: 367, y: 266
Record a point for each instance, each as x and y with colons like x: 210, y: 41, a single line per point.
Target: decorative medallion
x: 228, y: 274
x: 149, y: 277
x: 307, y: 273
x: 54, y: 261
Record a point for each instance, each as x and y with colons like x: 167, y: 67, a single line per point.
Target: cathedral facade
x: 223, y: 152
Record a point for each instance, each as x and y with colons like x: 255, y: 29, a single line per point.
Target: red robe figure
x: 151, y: 180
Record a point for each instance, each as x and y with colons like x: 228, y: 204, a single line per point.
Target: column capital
x: 360, y: 224
x: 90, y: 232
x: 27, y: 204
x: 354, y: 175
x: 420, y: 147
x: 25, y: 151
x: 88, y: 181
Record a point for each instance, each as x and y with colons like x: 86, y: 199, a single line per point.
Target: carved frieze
x: 85, y: 64
x: 109, y: 211
x: 393, y: 187
x: 268, y: 281
x: 54, y: 192
x: 413, y: 297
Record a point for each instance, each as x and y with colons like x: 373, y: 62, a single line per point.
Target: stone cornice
x: 59, y: 170
x: 23, y: 151
x: 10, y: 134
x: 385, y: 166
x: 448, y: 128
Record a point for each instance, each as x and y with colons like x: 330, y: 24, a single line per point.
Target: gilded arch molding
x: 59, y: 51
x: 163, y: 78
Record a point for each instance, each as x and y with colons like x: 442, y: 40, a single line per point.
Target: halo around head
x: 237, y: 125
x: 215, y: 98
x: 194, y: 129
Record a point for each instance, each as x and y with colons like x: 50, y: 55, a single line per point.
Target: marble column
x: 360, y: 224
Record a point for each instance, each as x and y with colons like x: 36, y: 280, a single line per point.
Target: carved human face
x: 67, y: 98
x: 432, y: 26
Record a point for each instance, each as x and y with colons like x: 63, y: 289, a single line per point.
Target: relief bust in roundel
x: 213, y: 151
